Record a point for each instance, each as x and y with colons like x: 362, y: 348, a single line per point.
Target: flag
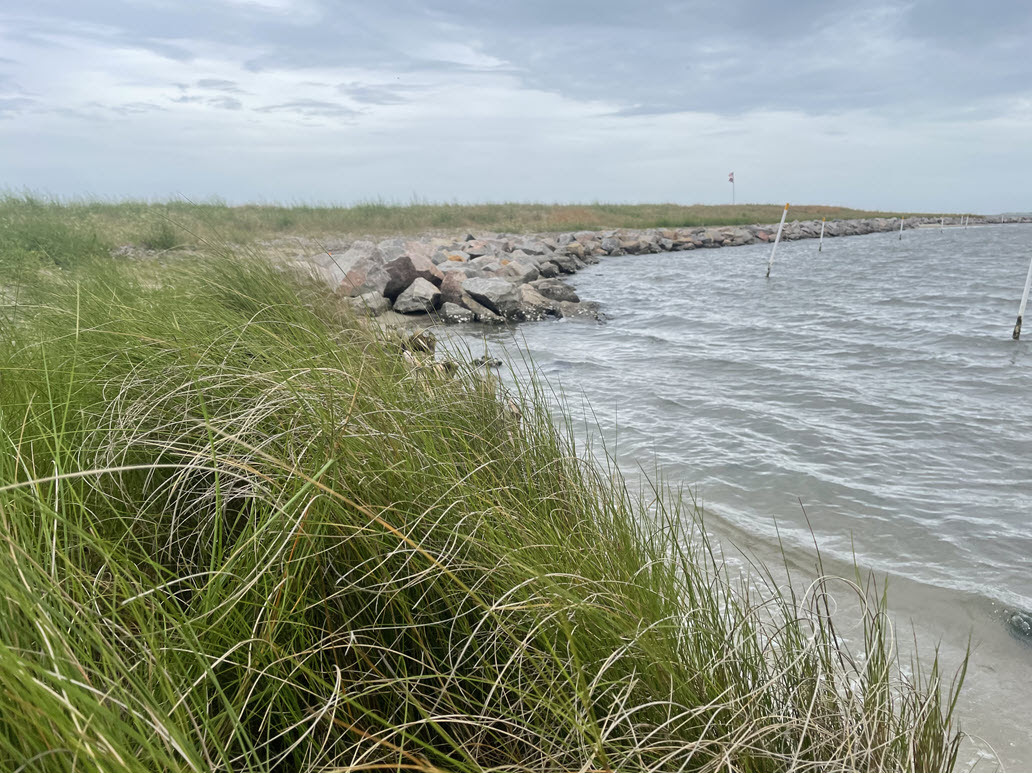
x: 730, y: 177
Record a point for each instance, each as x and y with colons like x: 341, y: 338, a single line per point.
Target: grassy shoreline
x: 241, y: 530
x: 165, y: 225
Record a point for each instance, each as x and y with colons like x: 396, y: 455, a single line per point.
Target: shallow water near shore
x: 875, y: 383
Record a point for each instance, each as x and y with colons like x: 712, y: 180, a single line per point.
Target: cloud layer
x: 903, y: 105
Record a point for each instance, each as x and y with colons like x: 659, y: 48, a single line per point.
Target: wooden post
x: 776, y: 240
x: 820, y: 244
x: 1024, y: 301
x: 901, y: 219
x: 942, y: 220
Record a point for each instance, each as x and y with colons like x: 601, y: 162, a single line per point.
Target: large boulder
x: 590, y: 310
x: 519, y: 272
x: 405, y: 269
x: 359, y: 269
x: 421, y: 296
x: 480, y: 312
x: 534, y: 306
x: 568, y: 264
x: 372, y: 303
x: 532, y: 247
x: 548, y: 269
x: 451, y: 287
x: 453, y: 313
x: 496, y: 294
x: 555, y: 289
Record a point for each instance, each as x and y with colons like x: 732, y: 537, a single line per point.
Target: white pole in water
x: 901, y: 228
x: 942, y: 220
x: 820, y: 244
x: 966, y: 220
x: 776, y: 240
x: 1024, y: 301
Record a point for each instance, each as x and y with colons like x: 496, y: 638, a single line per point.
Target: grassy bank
x: 239, y: 530
x: 164, y: 226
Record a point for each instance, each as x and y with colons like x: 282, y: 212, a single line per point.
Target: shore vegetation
x: 181, y: 223
x: 241, y: 529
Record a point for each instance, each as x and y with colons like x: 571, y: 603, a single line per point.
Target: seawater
x: 868, y: 397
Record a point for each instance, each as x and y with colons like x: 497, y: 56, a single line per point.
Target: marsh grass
x: 238, y: 531
x: 163, y: 225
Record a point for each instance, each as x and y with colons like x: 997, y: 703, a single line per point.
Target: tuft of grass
x: 239, y: 531
x: 160, y: 236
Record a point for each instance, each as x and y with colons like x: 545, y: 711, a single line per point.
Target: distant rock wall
x: 492, y: 278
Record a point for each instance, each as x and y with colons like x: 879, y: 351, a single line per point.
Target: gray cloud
x: 310, y: 108
x: 219, y: 84
x: 612, y: 99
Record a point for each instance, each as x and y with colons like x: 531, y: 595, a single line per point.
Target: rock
x: 584, y: 309
x: 451, y: 287
x: 480, y: 312
x: 359, y: 269
x: 421, y: 296
x: 568, y: 264
x: 555, y: 289
x: 1020, y: 624
x: 496, y: 294
x: 575, y: 249
x: 453, y: 313
x: 372, y: 303
x: 477, y: 247
x: 612, y: 246
x: 421, y: 341
x: 392, y: 248
x: 533, y: 247
x: 534, y: 306
x: 548, y: 269
x: 519, y: 272
x: 406, y: 269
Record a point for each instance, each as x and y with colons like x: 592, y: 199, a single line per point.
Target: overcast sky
x: 923, y: 105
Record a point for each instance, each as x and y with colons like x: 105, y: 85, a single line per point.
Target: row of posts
x: 942, y: 221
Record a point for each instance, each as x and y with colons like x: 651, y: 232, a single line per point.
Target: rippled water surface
x: 875, y: 382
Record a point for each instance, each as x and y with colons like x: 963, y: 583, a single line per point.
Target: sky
x: 923, y: 106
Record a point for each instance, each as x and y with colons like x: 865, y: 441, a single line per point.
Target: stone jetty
x: 494, y: 278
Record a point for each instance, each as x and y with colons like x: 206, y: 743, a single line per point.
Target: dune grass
x: 239, y: 531
x: 167, y: 225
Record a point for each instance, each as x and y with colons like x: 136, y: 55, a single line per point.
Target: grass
x: 239, y: 531
x: 165, y: 225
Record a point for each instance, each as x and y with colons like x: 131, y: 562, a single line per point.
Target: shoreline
x: 494, y: 277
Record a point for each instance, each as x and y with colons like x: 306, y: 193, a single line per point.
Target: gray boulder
x: 568, y: 264
x: 453, y: 313
x: 451, y: 287
x: 589, y: 310
x: 480, y: 312
x: 534, y: 306
x: 532, y: 247
x: 556, y: 290
x: 405, y: 269
x: 496, y: 294
x: 548, y: 269
x: 519, y: 272
x: 421, y: 296
x: 359, y: 269
x: 371, y: 303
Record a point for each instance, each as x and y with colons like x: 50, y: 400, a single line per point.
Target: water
x: 875, y: 383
